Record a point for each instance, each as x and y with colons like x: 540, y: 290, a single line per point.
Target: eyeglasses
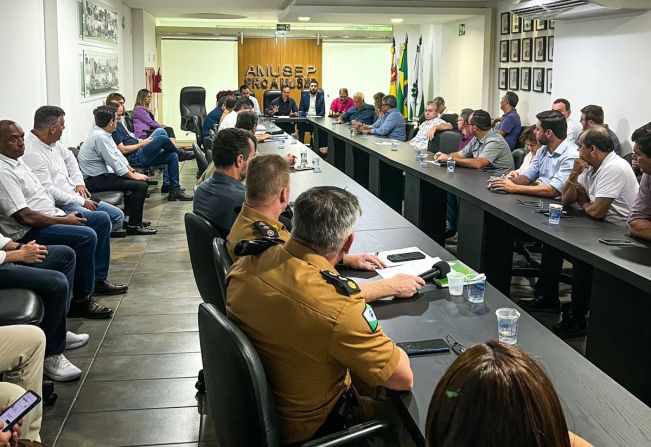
x: 455, y: 346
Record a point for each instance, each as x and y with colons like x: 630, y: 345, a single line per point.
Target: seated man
x: 284, y: 105
x: 245, y: 92
x: 341, y: 104
x: 391, y: 124
x: 322, y: 331
x: 267, y: 196
x: 57, y: 168
x: 312, y: 104
x: 248, y: 120
x: 463, y: 123
x: 360, y: 112
x: 593, y: 115
x: 509, y: 125
x: 27, y: 213
x: 219, y: 199
x: 48, y: 272
x: 155, y: 150
x: 105, y: 168
x: 213, y: 117
x: 574, y: 129
x: 639, y: 221
x: 241, y: 105
x: 429, y: 127
x: 22, y: 348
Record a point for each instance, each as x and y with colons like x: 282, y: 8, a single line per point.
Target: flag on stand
x: 403, y: 82
x: 417, y: 107
x: 394, y: 70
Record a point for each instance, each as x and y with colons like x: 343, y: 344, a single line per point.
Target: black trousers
x: 112, y: 182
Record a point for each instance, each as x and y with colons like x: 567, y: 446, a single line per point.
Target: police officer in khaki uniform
x: 267, y: 195
x: 311, y: 327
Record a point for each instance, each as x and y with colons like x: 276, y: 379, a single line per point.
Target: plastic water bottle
x: 303, y: 156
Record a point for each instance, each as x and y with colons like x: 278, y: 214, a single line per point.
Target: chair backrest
x: 200, y: 157
x: 200, y: 234
x: 410, y: 130
x: 222, y: 263
x: 197, y: 125
x: 518, y: 157
x: 449, y: 141
x: 452, y: 119
x: 192, y: 101
x: 128, y: 120
x: 207, y: 142
x: 268, y: 96
x: 240, y: 401
x: 20, y: 306
x: 208, y: 153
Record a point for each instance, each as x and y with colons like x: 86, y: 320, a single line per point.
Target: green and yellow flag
x: 403, y: 82
x: 394, y: 70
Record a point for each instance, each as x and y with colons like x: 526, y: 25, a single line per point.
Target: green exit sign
x: 462, y: 29
x: 282, y: 26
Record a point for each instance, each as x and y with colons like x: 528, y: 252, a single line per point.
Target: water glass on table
x: 451, y: 165
x: 555, y: 211
x: 476, y: 287
x: 455, y: 283
x: 507, y: 325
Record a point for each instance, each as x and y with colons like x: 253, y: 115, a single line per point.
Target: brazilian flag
x: 403, y: 82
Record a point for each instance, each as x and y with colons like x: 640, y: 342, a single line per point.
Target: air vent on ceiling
x: 576, y: 9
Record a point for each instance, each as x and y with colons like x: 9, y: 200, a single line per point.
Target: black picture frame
x: 550, y: 48
x: 540, y: 49
x: 504, y: 51
x: 503, y: 79
x: 514, y: 50
x: 525, y: 79
x: 527, y: 49
x: 538, y: 80
x: 514, y: 78
x: 549, y: 81
x: 516, y: 24
x: 505, y: 23
x: 540, y: 25
x: 552, y: 24
x: 527, y: 25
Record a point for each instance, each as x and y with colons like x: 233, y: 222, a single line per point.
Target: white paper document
x: 408, y: 267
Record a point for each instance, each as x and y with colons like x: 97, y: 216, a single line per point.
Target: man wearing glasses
x: 391, y: 124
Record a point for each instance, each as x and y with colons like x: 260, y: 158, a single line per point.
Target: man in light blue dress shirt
x: 391, y: 124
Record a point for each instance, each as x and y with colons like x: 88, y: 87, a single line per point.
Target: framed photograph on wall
x: 99, y: 23
x: 549, y: 80
x: 99, y: 74
x: 515, y: 50
x: 540, y: 49
x: 504, y: 50
x: 552, y: 24
x: 540, y: 25
x: 503, y: 79
x: 527, y: 25
x: 525, y: 79
x: 527, y: 44
x: 538, y: 80
x: 516, y: 24
x: 514, y: 78
x: 505, y: 23
x: 550, y: 48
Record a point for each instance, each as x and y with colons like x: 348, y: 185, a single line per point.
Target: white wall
x: 144, y: 50
x: 22, y: 77
x: 363, y: 67
x: 206, y: 63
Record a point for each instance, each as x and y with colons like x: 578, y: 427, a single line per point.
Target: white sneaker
x: 74, y: 341
x: 58, y: 368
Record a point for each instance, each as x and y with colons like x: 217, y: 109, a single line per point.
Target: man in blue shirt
x: 392, y: 123
x: 509, y: 125
x: 361, y: 112
x: 213, y: 117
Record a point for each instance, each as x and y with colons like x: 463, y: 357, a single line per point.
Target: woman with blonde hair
x: 143, y: 120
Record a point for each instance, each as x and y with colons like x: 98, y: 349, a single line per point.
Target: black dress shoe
x: 118, y: 234
x: 106, y: 288
x: 89, y: 308
x: 177, y: 194
x: 570, y: 328
x: 186, y: 155
x: 540, y: 304
x: 140, y: 230
x: 168, y: 188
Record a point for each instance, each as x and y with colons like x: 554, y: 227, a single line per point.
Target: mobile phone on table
x: 424, y: 347
x: 617, y: 242
x: 403, y: 257
x: 19, y: 409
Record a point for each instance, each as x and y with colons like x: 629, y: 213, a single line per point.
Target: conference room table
x: 596, y: 407
x: 619, y: 336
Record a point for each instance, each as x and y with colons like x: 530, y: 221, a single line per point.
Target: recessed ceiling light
x: 397, y: 20
x: 303, y: 19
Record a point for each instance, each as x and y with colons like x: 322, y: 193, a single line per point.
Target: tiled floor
x: 141, y: 366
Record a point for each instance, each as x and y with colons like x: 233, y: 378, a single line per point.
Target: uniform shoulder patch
x: 345, y: 285
x: 256, y: 246
x: 369, y: 316
x: 266, y: 230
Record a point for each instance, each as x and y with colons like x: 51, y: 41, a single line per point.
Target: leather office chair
x: 208, y: 156
x: 449, y: 141
x: 267, y: 97
x: 200, y: 157
x: 197, y: 124
x: 192, y: 102
x: 222, y: 263
x: 208, y: 141
x: 518, y: 157
x: 452, y: 119
x: 240, y: 401
x: 128, y: 120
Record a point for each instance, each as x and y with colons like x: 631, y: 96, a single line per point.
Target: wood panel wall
x: 265, y: 55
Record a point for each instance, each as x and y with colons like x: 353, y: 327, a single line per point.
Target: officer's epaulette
x: 266, y: 230
x: 255, y: 246
x: 343, y: 284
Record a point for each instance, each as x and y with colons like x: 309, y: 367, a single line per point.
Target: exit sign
x: 282, y: 26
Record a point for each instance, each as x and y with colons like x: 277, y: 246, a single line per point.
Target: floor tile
x: 150, y: 324
x: 159, y: 306
x: 136, y: 344
x: 66, y: 392
x: 154, y: 366
x: 50, y: 428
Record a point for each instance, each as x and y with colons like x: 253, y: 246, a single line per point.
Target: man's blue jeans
x: 115, y: 214
x: 160, y: 151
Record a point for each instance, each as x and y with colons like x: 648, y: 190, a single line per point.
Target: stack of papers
x: 408, y: 267
x: 460, y: 267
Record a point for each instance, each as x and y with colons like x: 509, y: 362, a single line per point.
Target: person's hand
x: 10, y: 438
x: 5, y: 436
x: 139, y: 176
x: 90, y: 205
x: 354, y: 123
x: 363, y: 261
x: 340, y: 120
x: 274, y: 110
x: 72, y: 219
x: 513, y: 174
x: 440, y: 156
x: 145, y: 142
x: 262, y: 136
x: 293, y: 114
x: 406, y: 286
x: 431, y: 133
x: 291, y: 159
x: 32, y: 253
x: 82, y: 191
x: 579, y: 166
x: 502, y: 184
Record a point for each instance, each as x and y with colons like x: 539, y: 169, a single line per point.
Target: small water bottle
x: 315, y: 165
x: 281, y: 144
x: 292, y: 140
x: 303, y: 156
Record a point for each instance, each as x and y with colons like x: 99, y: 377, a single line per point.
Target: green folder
x: 457, y: 266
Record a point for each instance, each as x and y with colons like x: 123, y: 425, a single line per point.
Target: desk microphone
x: 438, y: 270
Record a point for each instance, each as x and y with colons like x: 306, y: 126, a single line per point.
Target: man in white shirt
x: 230, y: 120
x: 574, y: 128
x: 246, y: 93
x: 57, y: 168
x: 429, y: 127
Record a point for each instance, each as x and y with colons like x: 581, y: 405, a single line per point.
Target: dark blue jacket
x: 304, y: 106
x: 211, y: 119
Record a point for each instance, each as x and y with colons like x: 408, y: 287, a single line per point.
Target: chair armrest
x: 356, y: 433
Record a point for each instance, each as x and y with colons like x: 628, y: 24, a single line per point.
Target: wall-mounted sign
x: 462, y: 29
x: 275, y: 77
x: 282, y: 26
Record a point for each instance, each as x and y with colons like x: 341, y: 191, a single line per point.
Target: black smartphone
x: 424, y: 347
x: 617, y: 242
x: 403, y: 257
x: 19, y: 409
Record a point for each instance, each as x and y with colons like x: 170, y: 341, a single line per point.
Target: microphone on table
x: 438, y: 270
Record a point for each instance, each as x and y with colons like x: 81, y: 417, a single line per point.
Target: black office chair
x: 197, y: 124
x: 128, y: 120
x: 268, y: 96
x: 518, y: 157
x: 410, y: 130
x: 240, y: 401
x: 208, y: 156
x: 222, y: 262
x: 192, y: 102
x: 452, y: 119
x: 434, y: 145
x: 449, y: 141
x: 208, y: 141
x: 200, y: 157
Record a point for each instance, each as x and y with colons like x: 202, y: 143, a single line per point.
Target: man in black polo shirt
x: 283, y: 106
x: 220, y: 198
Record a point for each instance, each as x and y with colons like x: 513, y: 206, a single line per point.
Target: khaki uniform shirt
x: 252, y: 224
x: 310, y: 332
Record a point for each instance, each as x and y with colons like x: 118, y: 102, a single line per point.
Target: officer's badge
x: 370, y: 317
x: 266, y: 230
x: 344, y: 285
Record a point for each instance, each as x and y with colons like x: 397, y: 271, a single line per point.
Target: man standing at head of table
x: 392, y: 123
